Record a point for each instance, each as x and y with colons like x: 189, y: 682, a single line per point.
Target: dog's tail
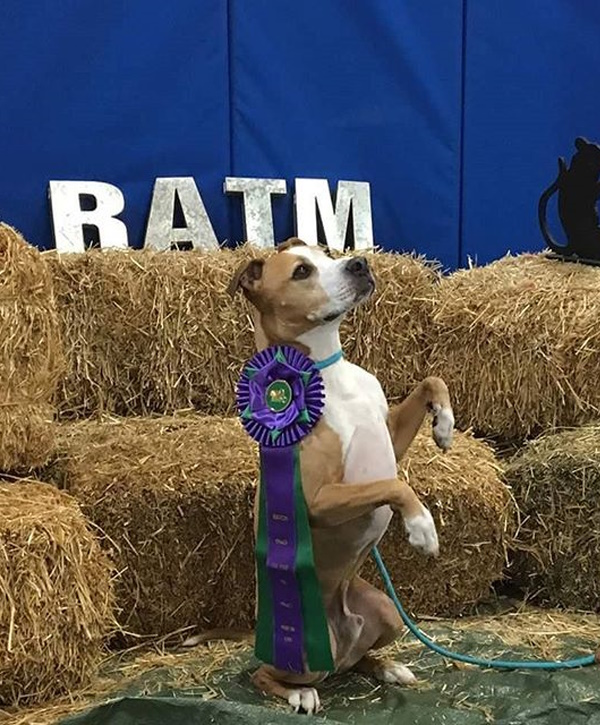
x: 214, y: 635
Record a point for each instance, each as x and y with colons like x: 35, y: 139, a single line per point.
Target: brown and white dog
x: 299, y: 297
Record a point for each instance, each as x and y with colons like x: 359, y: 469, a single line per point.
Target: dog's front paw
x: 422, y: 533
x: 443, y: 426
x: 305, y: 700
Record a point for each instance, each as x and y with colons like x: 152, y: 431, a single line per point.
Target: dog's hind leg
x: 382, y: 626
x: 296, y: 689
x: 385, y: 670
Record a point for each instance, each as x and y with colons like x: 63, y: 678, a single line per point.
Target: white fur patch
x: 396, y: 674
x: 443, y: 426
x: 306, y: 699
x: 422, y: 533
x: 192, y: 641
x: 334, y: 281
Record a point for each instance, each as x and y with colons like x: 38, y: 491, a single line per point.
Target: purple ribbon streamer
x: 278, y: 476
x: 277, y: 431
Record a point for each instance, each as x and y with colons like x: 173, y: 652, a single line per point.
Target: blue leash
x: 479, y: 661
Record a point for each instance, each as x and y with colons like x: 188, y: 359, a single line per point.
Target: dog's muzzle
x: 362, y: 279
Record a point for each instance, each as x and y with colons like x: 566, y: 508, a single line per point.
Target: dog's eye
x: 302, y: 271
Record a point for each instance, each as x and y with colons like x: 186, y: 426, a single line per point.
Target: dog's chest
x: 354, y: 401
x: 356, y: 410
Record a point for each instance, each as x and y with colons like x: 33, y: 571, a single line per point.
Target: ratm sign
x: 346, y: 218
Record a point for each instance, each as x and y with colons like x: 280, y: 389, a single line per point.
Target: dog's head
x: 300, y: 287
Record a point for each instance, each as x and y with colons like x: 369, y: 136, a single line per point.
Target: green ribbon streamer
x: 317, y: 646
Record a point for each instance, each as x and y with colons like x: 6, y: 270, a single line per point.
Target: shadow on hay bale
x: 518, y: 342
x: 55, y: 594
x: 30, y: 354
x: 155, y: 332
x: 174, y: 498
x: 556, y: 483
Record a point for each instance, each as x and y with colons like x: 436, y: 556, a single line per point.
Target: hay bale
x: 149, y: 332
x: 475, y: 518
x: 390, y: 335
x: 26, y: 436
x: 518, y: 343
x: 30, y: 354
x: 173, y: 498
x: 55, y: 594
x: 556, y: 483
x: 155, y: 332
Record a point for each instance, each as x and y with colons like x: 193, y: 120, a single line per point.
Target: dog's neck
x: 319, y: 343
x: 322, y: 342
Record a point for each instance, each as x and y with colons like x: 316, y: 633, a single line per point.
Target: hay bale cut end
x: 173, y: 497
x: 390, y: 334
x: 475, y: 519
x: 30, y: 354
x: 55, y: 594
x: 517, y: 342
x: 556, y: 483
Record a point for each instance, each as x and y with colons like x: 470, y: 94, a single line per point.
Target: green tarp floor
x: 446, y: 694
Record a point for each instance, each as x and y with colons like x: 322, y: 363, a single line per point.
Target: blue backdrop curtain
x: 116, y: 91
x: 532, y: 79
x: 454, y: 111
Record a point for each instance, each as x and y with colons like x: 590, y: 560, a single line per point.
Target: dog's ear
x: 246, y: 276
x: 291, y: 242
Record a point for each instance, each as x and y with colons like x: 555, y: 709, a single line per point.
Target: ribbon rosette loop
x: 280, y: 396
x: 280, y: 399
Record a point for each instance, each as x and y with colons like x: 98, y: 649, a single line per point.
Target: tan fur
x: 406, y: 418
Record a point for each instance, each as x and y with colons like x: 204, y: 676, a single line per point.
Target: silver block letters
x: 160, y: 233
x: 353, y: 197
x: 258, y: 213
x: 69, y: 219
x: 346, y: 220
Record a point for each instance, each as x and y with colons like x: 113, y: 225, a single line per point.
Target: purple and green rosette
x: 280, y: 398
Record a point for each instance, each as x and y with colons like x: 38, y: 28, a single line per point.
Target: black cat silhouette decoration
x: 578, y: 191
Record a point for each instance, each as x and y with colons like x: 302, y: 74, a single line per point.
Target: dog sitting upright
x: 299, y: 297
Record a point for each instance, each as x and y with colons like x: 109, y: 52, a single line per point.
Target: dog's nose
x: 358, y: 267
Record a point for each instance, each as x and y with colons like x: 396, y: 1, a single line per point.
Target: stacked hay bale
x: 30, y: 354
x: 556, y: 480
x: 155, y: 332
x: 517, y: 342
x: 55, y: 594
x: 149, y: 332
x: 174, y: 498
